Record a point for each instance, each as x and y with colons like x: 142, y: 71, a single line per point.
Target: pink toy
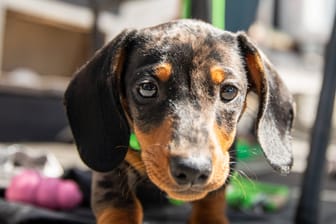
x: 30, y: 187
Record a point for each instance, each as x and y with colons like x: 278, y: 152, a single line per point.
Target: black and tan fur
x: 185, y: 128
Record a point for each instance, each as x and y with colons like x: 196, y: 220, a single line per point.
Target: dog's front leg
x: 113, y: 200
x: 210, y: 209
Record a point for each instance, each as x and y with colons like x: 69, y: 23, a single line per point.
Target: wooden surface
x: 45, y: 46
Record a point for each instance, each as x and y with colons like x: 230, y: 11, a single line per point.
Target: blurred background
x: 42, y: 43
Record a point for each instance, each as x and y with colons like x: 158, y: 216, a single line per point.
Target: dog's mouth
x: 187, y: 195
x: 160, y: 174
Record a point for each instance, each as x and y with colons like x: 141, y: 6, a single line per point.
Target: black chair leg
x: 308, y: 207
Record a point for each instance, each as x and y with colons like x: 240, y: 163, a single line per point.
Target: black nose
x: 190, y: 170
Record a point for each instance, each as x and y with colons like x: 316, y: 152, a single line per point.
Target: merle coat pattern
x: 181, y: 88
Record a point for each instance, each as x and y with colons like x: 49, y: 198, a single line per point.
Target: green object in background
x: 218, y: 13
x: 133, y: 142
x: 186, y: 9
x: 175, y: 202
x: 249, y: 195
x: 246, y: 151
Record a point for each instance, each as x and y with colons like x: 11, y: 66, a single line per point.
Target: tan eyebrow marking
x: 163, y: 71
x: 217, y: 74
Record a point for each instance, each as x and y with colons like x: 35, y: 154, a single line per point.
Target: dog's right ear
x: 94, y: 109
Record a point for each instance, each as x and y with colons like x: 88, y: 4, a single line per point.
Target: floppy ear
x: 276, y: 107
x: 93, y: 107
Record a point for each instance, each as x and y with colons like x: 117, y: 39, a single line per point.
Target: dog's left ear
x: 94, y: 109
x: 276, y: 106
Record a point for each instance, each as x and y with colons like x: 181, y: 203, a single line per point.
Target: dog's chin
x: 187, y: 195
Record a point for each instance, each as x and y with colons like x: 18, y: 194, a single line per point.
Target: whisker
x: 246, y: 167
x: 243, y: 174
x: 240, y: 184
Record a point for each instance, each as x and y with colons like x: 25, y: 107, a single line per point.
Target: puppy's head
x: 181, y: 88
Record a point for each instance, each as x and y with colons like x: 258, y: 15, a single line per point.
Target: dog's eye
x: 228, y: 93
x: 147, y: 89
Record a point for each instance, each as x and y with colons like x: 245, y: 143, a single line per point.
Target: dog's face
x: 184, y: 92
x: 181, y: 88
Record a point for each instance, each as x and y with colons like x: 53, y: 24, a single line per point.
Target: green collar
x: 133, y: 143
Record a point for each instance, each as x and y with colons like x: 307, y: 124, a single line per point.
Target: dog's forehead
x: 188, y: 42
x: 198, y: 35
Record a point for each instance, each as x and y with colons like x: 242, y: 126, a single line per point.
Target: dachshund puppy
x: 181, y: 88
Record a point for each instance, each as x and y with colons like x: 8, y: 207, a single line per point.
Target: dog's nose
x: 190, y: 170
